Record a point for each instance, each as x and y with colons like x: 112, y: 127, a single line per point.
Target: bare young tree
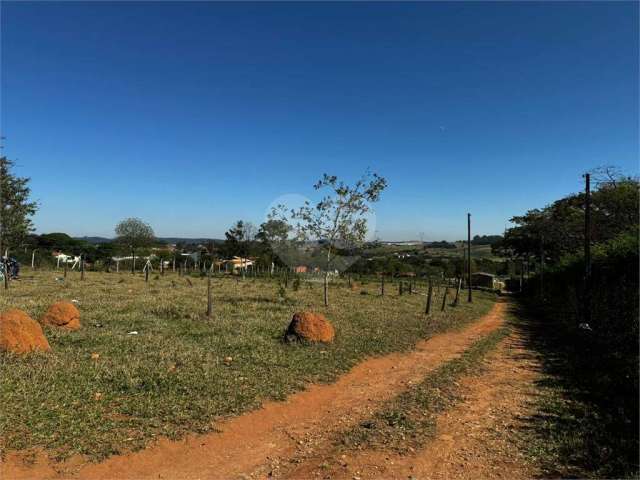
x: 134, y: 234
x: 338, y: 219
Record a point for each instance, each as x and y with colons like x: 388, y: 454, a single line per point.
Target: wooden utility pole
x: 470, y: 296
x: 521, y: 274
x: 542, y: 267
x: 587, y: 248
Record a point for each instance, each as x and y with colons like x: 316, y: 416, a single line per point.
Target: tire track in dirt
x: 255, y: 444
x: 473, y: 440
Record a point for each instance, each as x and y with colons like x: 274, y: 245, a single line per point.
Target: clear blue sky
x: 194, y: 115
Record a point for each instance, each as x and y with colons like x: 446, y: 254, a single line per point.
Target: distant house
x: 406, y: 274
x: 482, y: 279
x: 236, y: 264
x: 195, y: 256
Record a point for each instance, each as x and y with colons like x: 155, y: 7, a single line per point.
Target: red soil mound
x: 309, y: 326
x: 19, y: 333
x: 62, y: 314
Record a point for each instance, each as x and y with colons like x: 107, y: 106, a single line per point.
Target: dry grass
x: 172, y: 378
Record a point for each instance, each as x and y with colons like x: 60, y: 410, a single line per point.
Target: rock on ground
x: 309, y: 326
x: 62, y: 314
x: 19, y: 333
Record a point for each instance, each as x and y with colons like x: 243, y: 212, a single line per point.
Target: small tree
x: 15, y: 207
x: 338, y: 220
x: 134, y: 233
x: 239, y: 239
x: 273, y: 234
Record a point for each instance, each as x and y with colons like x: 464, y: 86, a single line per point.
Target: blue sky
x: 194, y: 115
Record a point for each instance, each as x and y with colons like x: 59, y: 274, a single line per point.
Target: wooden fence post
x: 209, y: 303
x: 81, y: 267
x: 65, y: 268
x: 429, y: 295
x: 400, y: 287
x: 444, y: 298
x: 6, y: 274
x: 33, y: 260
x: 457, y: 299
x: 382, y: 285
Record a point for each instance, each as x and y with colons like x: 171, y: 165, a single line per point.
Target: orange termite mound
x: 309, y: 326
x: 19, y: 333
x: 62, y: 314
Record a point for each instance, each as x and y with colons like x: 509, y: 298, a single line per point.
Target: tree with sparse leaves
x: 16, y: 209
x: 338, y: 219
x: 133, y: 233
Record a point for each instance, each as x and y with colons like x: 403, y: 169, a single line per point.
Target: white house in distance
x: 236, y: 264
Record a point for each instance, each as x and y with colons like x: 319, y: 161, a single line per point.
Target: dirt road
x: 283, y: 438
x: 473, y: 440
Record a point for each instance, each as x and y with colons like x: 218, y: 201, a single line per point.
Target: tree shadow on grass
x: 584, y: 425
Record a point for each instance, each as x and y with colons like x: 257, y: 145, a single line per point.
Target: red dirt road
x: 473, y: 440
x: 257, y: 444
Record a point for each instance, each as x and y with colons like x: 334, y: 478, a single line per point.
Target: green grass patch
x: 408, y: 420
x: 171, y: 378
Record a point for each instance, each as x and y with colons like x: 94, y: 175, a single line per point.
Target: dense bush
x: 604, y: 354
x: 609, y: 344
x: 591, y: 395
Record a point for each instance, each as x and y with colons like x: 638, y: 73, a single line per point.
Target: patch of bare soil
x: 262, y: 442
x: 476, y: 439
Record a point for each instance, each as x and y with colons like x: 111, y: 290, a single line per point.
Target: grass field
x: 172, y: 378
